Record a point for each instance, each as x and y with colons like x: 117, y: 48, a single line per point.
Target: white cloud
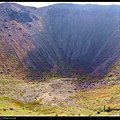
x: 42, y: 4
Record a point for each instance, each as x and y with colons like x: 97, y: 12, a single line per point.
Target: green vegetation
x: 12, y: 107
x: 104, y: 101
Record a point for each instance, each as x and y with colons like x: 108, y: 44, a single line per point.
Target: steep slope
x: 15, y: 38
x: 86, y: 36
x: 61, y: 36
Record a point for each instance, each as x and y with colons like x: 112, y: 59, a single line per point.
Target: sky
x: 42, y: 4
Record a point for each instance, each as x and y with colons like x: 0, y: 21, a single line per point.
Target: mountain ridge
x: 84, y: 37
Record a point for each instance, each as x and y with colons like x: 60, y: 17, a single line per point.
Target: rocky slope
x: 59, y: 37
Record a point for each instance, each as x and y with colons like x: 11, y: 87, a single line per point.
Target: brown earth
x: 56, y: 92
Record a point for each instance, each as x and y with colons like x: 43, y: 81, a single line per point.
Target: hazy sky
x: 41, y: 4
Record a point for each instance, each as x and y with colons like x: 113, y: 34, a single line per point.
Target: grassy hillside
x: 101, y: 101
x: 114, y: 71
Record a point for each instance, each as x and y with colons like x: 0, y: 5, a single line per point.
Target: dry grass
x: 11, y: 107
x: 97, y: 99
x: 94, y: 102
